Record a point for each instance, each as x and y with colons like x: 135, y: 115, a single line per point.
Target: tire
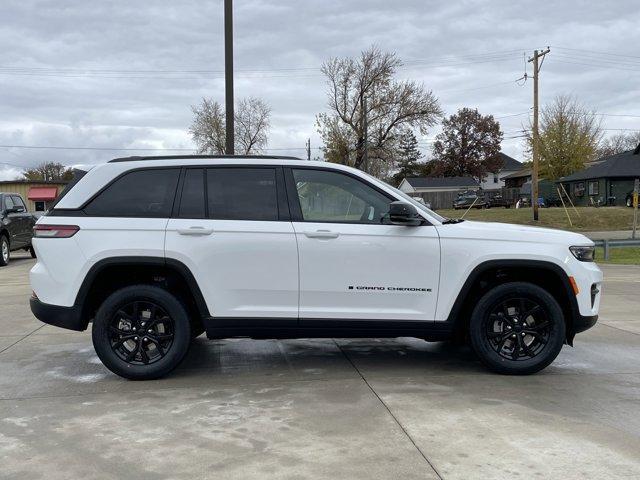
x: 32, y: 251
x: 5, y: 252
x: 146, y: 356
x: 495, y: 326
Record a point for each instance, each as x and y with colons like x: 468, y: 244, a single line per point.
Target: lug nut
x: 142, y: 324
x: 523, y: 334
x: 150, y: 331
x: 513, y: 336
x: 135, y: 338
x: 508, y: 327
x: 145, y: 339
x: 134, y: 329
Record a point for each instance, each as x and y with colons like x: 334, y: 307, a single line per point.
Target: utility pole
x: 365, y: 127
x: 228, y: 75
x: 308, y: 149
x: 537, y: 55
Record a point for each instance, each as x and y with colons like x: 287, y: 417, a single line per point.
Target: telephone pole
x: 308, y: 149
x: 537, y: 55
x: 365, y: 127
x: 228, y: 76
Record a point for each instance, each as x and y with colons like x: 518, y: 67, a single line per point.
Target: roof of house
x: 625, y: 164
x: 510, y: 163
x: 441, y: 182
x: 35, y: 182
x: 525, y: 172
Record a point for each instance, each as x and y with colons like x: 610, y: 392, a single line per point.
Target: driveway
x: 331, y: 408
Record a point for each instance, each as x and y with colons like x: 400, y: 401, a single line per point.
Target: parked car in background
x: 468, y: 199
x: 16, y: 226
x: 497, y: 200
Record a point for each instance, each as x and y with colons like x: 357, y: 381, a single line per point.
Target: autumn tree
x: 251, y: 126
x: 407, y: 158
x: 569, y: 136
x: 49, y: 171
x: 618, y: 143
x: 469, y: 145
x: 392, y: 106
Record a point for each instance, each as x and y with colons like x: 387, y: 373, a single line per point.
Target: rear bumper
x: 63, y: 317
x: 581, y: 323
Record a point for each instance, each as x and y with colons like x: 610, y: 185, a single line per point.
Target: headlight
x: 584, y: 254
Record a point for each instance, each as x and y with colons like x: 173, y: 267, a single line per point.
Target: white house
x: 418, y: 185
x: 495, y: 181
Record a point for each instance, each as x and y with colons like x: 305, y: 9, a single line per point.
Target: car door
x: 353, y: 265
x: 12, y: 222
x: 232, y: 230
x: 25, y: 229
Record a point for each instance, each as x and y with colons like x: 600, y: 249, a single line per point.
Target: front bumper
x: 63, y: 317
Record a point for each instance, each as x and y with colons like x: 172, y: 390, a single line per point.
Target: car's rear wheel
x: 5, y: 253
x: 141, y: 332
x: 517, y: 328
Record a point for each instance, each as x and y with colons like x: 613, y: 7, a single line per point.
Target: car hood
x: 511, y: 232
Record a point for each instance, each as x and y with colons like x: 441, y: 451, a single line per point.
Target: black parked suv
x: 16, y: 226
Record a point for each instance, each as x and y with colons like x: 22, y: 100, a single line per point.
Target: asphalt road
x: 301, y: 409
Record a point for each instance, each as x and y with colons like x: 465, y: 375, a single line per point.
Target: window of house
x: 327, y: 196
x: 242, y: 194
x: 593, y: 188
x: 141, y: 193
x: 578, y: 189
x: 40, y: 206
x: 495, y: 178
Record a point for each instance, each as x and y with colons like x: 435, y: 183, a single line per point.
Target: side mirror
x: 401, y: 213
x: 13, y: 210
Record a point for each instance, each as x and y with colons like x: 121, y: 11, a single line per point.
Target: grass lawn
x: 624, y: 256
x: 590, y: 219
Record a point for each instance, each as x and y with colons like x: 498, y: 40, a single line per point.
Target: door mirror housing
x: 14, y: 210
x: 402, y: 213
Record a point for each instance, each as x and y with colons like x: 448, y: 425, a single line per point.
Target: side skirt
x: 281, y: 328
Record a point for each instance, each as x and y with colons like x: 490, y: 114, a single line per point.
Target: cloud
x: 123, y: 74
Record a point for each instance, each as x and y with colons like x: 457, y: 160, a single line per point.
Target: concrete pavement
x: 373, y: 409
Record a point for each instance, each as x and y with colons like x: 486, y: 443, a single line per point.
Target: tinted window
x: 192, y: 202
x: 335, y: 197
x: 242, y: 193
x: 8, y: 203
x: 17, y: 201
x: 143, y: 193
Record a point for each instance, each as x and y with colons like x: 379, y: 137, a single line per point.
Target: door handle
x: 195, y: 231
x: 322, y: 234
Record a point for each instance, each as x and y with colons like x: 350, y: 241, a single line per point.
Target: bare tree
x: 392, y: 107
x: 251, y: 126
x: 569, y: 136
x: 618, y: 143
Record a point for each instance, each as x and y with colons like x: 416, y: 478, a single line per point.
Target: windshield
x: 417, y: 204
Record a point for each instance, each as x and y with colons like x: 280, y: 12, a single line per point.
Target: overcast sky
x: 123, y: 74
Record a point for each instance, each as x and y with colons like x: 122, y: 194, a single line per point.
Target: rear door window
x: 242, y: 194
x: 8, y: 203
x: 141, y: 193
x: 192, y: 203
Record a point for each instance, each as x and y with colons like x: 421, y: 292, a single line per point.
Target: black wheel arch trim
x: 163, y: 262
x: 575, y: 324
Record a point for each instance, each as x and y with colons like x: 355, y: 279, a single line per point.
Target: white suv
x: 156, y: 250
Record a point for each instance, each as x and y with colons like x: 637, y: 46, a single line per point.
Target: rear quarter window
x: 141, y: 193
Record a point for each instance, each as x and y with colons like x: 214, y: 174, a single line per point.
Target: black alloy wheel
x: 517, y: 328
x: 141, y: 332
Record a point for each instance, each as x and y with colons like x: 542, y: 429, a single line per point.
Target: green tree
x: 49, y: 171
x: 469, y: 145
x: 392, y: 106
x: 569, y: 136
x: 407, y: 157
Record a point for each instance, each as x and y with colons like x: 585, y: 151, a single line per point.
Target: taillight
x: 55, y: 231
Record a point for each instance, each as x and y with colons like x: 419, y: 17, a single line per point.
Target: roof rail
x: 178, y: 157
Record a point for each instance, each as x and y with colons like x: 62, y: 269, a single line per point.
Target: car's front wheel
x: 141, y: 332
x: 517, y: 328
x: 5, y: 253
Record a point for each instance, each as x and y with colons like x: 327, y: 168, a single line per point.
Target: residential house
x: 607, y: 182
x: 495, y: 181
